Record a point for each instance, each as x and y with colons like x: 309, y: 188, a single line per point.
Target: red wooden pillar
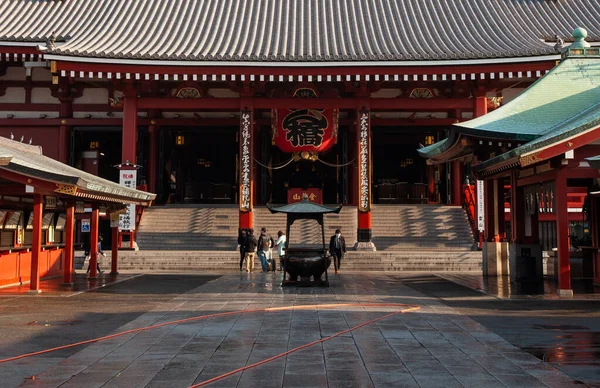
x: 94, y: 240
x: 364, y: 178
x: 431, y: 183
x: 246, y: 165
x: 69, y: 229
x: 457, y: 182
x: 65, y: 112
x: 517, y: 210
x: 152, y: 157
x: 114, y: 242
x: 129, y: 150
x: 562, y: 232
x: 36, y: 244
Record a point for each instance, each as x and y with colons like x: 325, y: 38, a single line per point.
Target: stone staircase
x: 204, y: 237
x: 422, y: 227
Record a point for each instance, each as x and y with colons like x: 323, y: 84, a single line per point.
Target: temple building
x: 558, y: 120
x: 254, y: 102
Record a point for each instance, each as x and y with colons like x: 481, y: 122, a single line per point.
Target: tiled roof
x: 562, y: 105
x: 28, y: 160
x: 297, y: 30
x: 566, y: 90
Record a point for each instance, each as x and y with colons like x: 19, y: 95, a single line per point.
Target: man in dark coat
x: 337, y: 249
x: 242, y: 243
x: 250, y: 249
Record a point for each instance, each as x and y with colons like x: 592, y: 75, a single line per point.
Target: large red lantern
x: 299, y: 130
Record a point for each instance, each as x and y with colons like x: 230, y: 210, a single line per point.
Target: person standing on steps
x: 280, y: 244
x: 250, y: 250
x: 337, y: 249
x: 242, y: 245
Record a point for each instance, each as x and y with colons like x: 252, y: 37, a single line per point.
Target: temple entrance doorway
x: 400, y: 175
x: 198, y: 165
x: 288, y: 177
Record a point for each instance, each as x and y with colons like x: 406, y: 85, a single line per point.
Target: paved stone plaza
x: 436, y: 346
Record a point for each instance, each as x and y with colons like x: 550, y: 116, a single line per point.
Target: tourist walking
x: 250, y: 250
x: 242, y: 245
x: 280, y: 244
x: 265, y: 242
x: 337, y: 249
x: 98, y: 254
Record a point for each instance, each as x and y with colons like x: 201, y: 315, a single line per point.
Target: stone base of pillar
x: 525, y: 263
x: 34, y: 292
x: 495, y: 259
x: 565, y: 293
x: 365, y: 246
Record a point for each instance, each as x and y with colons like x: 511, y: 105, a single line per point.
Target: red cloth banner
x: 300, y: 130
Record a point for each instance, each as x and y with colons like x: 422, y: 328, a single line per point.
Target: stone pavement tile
x: 340, y: 363
x: 306, y: 380
x: 178, y: 376
x: 386, y: 367
x: 89, y: 379
x: 265, y: 372
x: 304, y: 368
x: 519, y: 381
x: 468, y: 369
x: 399, y: 380
x: 442, y: 380
x: 521, y: 358
x: 499, y: 364
x: 468, y: 381
x: 227, y: 382
x: 553, y: 378
x: 423, y: 368
x: 253, y: 383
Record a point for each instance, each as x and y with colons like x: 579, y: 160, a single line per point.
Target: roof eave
x: 224, y: 63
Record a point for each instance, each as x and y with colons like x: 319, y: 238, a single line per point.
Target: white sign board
x: 86, y: 226
x: 128, y: 178
x: 480, y: 207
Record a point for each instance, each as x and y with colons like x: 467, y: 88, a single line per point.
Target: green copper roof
x: 437, y: 148
x: 566, y: 90
x: 304, y: 207
x: 580, y: 122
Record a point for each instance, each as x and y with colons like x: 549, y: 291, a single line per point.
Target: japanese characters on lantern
x: 299, y: 130
x: 128, y: 178
x: 245, y: 162
x: 364, y: 185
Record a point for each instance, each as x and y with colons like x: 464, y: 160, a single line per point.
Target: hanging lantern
x: 305, y: 130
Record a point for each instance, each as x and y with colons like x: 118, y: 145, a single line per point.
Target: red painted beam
x: 58, y: 122
x: 19, y: 50
x: 69, y: 225
x: 574, y: 173
x: 41, y: 186
x: 12, y: 106
x: 573, y: 143
x: 233, y: 104
x: 304, y: 70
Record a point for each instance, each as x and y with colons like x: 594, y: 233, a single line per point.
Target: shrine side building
x: 249, y: 103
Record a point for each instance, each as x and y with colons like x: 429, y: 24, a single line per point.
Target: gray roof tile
x: 28, y: 160
x: 298, y: 30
